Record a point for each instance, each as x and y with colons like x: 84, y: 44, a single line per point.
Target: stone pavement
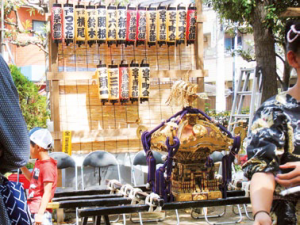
x: 186, y: 219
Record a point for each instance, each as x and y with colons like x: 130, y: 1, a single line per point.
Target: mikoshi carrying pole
x: 113, y: 82
x: 151, y: 25
x: 134, y: 81
x: 91, y: 24
x: 144, y: 81
x: 80, y: 24
x: 111, y: 25
x: 121, y: 24
x: 181, y: 24
x: 101, y: 24
x: 141, y: 25
x: 68, y: 23
x: 162, y: 25
x: 124, y: 82
x: 131, y: 25
x: 57, y: 23
x: 191, y: 24
x: 171, y: 24
x: 102, y: 76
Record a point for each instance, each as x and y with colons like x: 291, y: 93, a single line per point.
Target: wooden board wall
x: 113, y: 127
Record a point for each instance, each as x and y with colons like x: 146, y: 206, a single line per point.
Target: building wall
x: 30, y: 58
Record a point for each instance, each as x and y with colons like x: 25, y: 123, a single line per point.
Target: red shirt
x: 43, y: 171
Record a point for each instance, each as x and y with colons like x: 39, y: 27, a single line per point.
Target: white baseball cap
x: 42, y: 138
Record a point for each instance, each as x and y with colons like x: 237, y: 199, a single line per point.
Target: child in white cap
x: 43, y: 178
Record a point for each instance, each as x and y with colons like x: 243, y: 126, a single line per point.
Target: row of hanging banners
x: 123, y: 25
x: 123, y: 82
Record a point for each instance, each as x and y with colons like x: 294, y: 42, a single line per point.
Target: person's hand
x: 262, y: 218
x: 292, y: 178
x: 38, y: 219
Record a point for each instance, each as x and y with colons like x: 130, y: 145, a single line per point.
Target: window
x: 229, y: 43
x: 39, y: 26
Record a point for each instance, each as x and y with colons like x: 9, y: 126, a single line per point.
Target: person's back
x: 14, y: 141
x: 43, y: 178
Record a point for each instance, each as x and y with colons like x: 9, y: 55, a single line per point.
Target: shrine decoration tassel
x: 131, y: 25
x: 57, y: 23
x: 91, y: 24
x: 180, y: 24
x: 113, y: 82
x: 80, y: 24
x: 171, y: 24
x: 191, y: 24
x: 121, y: 24
x: 144, y: 82
x: 151, y: 26
x: 101, y: 24
x: 162, y: 25
x: 134, y: 81
x: 141, y: 25
x: 68, y: 27
x: 102, y: 76
x: 111, y: 25
x: 124, y: 82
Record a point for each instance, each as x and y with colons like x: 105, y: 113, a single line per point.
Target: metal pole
x: 2, y: 26
x: 234, y: 60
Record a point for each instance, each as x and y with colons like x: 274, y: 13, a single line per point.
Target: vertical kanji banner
x: 171, y: 24
x: 80, y: 24
x: 103, y: 82
x: 180, y: 24
x: 121, y: 24
x: 67, y: 142
x: 91, y: 24
x: 191, y: 24
x: 141, y: 25
x: 111, y: 27
x: 131, y: 25
x: 144, y: 82
x: 113, y: 83
x: 57, y: 23
x: 124, y: 82
x: 151, y: 25
x: 134, y: 81
x: 162, y: 24
x: 68, y: 23
x: 101, y: 24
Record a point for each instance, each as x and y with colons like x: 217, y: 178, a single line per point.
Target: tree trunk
x: 264, y: 51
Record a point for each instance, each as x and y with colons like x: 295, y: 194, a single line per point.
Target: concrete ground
x: 186, y: 219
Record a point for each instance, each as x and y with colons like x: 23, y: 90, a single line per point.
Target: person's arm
x: 44, y: 202
x: 292, y: 178
x: 14, y: 140
x: 261, y: 193
x: 26, y: 173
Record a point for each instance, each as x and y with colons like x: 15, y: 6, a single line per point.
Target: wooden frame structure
x: 126, y: 135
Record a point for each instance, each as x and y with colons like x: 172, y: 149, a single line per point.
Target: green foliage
x: 33, y: 105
